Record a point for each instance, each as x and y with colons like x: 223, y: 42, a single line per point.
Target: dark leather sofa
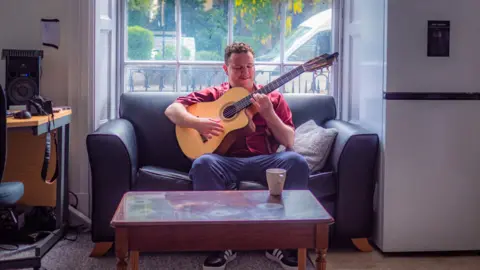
x: 139, y: 151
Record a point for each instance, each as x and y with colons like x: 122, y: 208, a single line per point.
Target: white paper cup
x: 276, y: 180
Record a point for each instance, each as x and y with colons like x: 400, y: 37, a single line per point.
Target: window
x: 173, y: 45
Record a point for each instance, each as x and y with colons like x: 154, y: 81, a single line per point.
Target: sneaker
x: 218, y: 260
x: 288, y: 259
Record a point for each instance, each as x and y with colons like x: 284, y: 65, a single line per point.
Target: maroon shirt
x: 262, y: 141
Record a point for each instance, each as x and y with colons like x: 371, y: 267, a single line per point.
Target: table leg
x: 302, y: 259
x: 321, y: 260
x: 62, y: 181
x: 321, y: 244
x: 66, y: 161
x: 121, y: 248
x: 134, y: 260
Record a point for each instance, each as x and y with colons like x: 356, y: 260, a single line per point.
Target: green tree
x: 139, y: 12
x: 258, y: 19
x: 140, y: 5
x: 208, y: 27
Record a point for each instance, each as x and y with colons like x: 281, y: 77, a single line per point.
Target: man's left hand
x: 263, y: 105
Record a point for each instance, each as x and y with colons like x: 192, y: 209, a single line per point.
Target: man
x: 250, y: 156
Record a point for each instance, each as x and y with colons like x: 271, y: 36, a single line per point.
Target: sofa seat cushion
x: 321, y: 184
x: 251, y: 185
x: 152, y: 178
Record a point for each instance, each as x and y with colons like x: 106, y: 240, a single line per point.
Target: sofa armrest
x: 354, y: 161
x: 112, y: 153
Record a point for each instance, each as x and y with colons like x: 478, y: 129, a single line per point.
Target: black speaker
x: 22, y: 78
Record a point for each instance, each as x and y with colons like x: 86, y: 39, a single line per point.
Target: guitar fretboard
x: 275, y: 84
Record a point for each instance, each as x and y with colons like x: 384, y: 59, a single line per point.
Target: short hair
x: 237, y: 47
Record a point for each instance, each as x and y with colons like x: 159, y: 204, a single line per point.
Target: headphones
x: 35, y: 106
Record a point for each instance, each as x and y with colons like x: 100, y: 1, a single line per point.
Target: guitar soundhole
x: 229, y: 112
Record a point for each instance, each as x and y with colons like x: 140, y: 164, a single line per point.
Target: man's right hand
x: 208, y: 127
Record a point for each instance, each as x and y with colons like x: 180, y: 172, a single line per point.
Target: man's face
x: 241, y: 70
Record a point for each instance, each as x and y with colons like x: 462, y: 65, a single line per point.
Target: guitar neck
x: 270, y: 87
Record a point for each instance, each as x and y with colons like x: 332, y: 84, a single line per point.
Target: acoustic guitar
x: 235, y: 113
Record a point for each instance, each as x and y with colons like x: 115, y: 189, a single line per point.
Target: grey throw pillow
x: 314, y: 143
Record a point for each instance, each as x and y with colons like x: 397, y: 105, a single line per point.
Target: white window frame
x: 124, y: 64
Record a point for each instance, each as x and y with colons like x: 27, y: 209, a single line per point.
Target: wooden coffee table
x: 219, y: 220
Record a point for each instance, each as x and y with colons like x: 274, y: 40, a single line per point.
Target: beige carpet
x: 75, y: 255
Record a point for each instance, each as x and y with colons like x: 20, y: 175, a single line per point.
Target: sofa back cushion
x: 311, y: 106
x: 156, y: 140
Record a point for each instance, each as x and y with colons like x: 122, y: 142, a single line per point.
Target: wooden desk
x: 36, y: 121
x: 25, y: 155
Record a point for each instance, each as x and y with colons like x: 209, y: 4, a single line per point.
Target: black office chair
x: 10, y: 192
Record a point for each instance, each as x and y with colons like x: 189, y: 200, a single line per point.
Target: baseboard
x: 77, y: 217
x: 83, y: 203
x: 81, y: 214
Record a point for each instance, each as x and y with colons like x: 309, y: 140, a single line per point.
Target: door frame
x: 81, y: 74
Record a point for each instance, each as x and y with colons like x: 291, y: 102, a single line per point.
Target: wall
x: 20, y: 28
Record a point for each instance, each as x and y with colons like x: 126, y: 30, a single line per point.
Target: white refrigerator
x: 427, y: 112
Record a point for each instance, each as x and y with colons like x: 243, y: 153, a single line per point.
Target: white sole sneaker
x: 278, y: 260
x: 231, y: 258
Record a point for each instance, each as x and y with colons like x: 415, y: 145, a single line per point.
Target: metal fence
x: 163, y: 78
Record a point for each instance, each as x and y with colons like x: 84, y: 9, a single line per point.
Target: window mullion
x: 178, y: 39
x: 122, y: 39
x: 283, y: 14
x: 230, y: 22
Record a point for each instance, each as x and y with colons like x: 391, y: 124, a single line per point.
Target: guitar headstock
x: 320, y: 62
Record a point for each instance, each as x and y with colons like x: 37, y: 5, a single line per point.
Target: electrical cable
x: 50, y: 211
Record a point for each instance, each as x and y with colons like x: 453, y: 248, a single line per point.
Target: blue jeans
x: 215, y: 172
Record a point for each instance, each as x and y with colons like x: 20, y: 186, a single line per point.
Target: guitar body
x: 235, y: 113
x: 193, y: 145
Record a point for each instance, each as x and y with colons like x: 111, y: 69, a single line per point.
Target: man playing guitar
x: 250, y: 155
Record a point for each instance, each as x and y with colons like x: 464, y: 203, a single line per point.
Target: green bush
x: 208, y: 56
x: 140, y: 43
x: 170, y: 53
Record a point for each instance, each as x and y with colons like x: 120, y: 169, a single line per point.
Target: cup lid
x: 276, y: 170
